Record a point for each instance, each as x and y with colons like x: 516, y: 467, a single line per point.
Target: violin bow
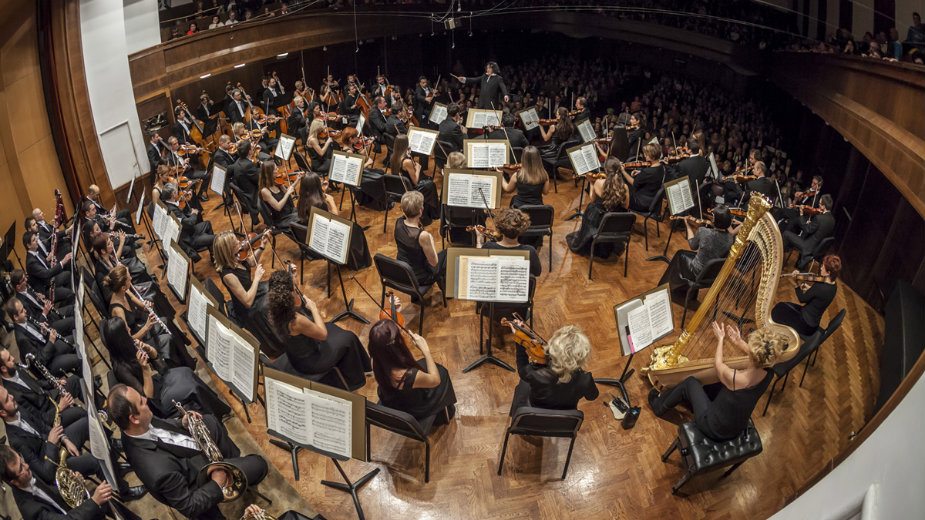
x: 506, y: 137
x: 237, y: 207
x: 354, y: 278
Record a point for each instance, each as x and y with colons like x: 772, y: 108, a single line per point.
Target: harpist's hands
x: 718, y: 331
x: 733, y: 334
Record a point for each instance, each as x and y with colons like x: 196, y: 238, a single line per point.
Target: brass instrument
x: 71, y: 484
x: 262, y: 515
x: 746, y: 285
x: 198, y: 431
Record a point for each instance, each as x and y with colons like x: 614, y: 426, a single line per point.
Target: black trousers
x: 690, y: 390
x: 804, y: 246
x: 254, y: 467
x: 679, y: 269
x: 791, y: 314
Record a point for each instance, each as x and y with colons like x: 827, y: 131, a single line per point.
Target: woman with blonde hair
x: 722, y: 410
x: 320, y: 154
x: 277, y: 200
x: 531, y: 182
x: 607, y: 195
x: 562, y: 382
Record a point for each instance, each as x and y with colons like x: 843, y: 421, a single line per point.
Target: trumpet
x: 198, y: 431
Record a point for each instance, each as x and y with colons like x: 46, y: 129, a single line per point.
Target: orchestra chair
x: 808, y: 350
x: 541, y: 422
x: 700, y: 453
x: 404, y: 424
x: 301, y: 161
x: 267, y: 218
x: 541, y: 221
x: 218, y: 296
x: 456, y: 218
x: 394, y: 186
x: 96, y: 300
x: 397, y: 275
x: 388, y: 140
x: 821, y: 249
x: 703, y: 281
x: 560, y: 155
x: 616, y: 228
x: 246, y: 203
x: 300, y: 237
x: 654, y: 213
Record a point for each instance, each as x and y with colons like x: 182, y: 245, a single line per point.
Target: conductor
x: 492, y: 89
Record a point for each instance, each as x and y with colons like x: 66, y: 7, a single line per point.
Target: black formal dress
x: 321, y: 164
x: 420, y: 403
x: 527, y: 194
x: 253, y: 319
x: 410, y: 252
x: 645, y: 186
x: 540, y: 387
x: 805, y: 318
x: 341, y: 349
x: 579, y: 242
x: 283, y: 218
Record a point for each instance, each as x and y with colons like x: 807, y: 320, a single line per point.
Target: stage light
x: 283, y: 55
x: 206, y: 75
x: 239, y: 65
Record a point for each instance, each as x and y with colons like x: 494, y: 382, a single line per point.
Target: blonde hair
x: 412, y: 204
x: 764, y: 346
x: 316, y: 126
x: 456, y: 160
x: 532, y: 171
x: 237, y: 128
x: 224, y: 250
x: 568, y: 350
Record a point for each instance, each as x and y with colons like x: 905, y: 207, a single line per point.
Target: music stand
x: 9, y: 239
x: 584, y: 160
x: 222, y: 360
x: 321, y: 227
x: 679, y: 193
x: 347, y: 169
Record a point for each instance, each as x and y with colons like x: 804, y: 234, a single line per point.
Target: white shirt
x: 168, y: 437
x: 19, y: 423
x: 25, y: 294
x: 37, y: 255
x: 18, y: 380
x: 36, y: 491
x: 31, y: 330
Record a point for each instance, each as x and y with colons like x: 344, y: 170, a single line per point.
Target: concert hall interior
x: 454, y: 259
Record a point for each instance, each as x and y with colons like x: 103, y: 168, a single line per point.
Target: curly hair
x: 764, y: 346
x: 280, y: 309
x: 511, y: 222
x: 568, y: 350
x: 615, y: 191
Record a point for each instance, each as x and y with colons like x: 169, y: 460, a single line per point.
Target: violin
x: 326, y: 132
x: 188, y: 149
x: 742, y: 179
x: 632, y: 127
x: 638, y: 165
x: 511, y: 168
x: 528, y: 339
x: 809, y: 211
x: 811, y: 192
x: 485, y: 231
x: 695, y: 221
x: 183, y: 182
x: 547, y: 122
x: 392, y: 312
x: 247, y: 245
x: 806, y: 277
x: 595, y: 175
x: 184, y: 197
x: 362, y: 142
x: 676, y: 158
x: 285, y: 179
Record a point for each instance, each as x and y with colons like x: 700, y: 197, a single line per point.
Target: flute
x: 151, y: 313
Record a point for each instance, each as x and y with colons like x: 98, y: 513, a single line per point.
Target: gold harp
x: 743, y: 291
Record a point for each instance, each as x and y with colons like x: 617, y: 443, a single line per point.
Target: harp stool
x: 701, y: 453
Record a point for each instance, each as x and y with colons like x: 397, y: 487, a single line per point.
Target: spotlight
x: 206, y: 75
x: 239, y: 65
x: 283, y: 55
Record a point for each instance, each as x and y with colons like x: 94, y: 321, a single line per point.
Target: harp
x: 743, y: 292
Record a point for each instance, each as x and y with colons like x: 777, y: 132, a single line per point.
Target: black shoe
x: 124, y: 467
x: 203, y: 198
x: 656, y: 408
x: 133, y: 493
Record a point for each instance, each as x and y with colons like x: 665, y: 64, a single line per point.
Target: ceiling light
x: 206, y: 75
x: 239, y: 65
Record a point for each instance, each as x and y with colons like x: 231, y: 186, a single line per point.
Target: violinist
x: 378, y: 125
x: 423, y: 99
x: 276, y: 190
x: 186, y: 167
x: 531, y: 182
x: 706, y: 244
x: 396, y: 121
x: 607, y: 195
x: 312, y: 346
x: 581, y: 111
x: 194, y: 232
x: 510, y: 223
x: 320, y: 149
x: 451, y: 129
x: 814, y: 297
x: 562, y: 132
x: 645, y: 183
x: 635, y: 132
x: 164, y: 174
x: 237, y: 106
x: 492, y: 90
x: 382, y: 88
x: 313, y: 194
x: 421, y: 388
x: 157, y: 151
x: 515, y: 136
x: 416, y: 245
x: 696, y: 166
x: 813, y: 230
x: 299, y: 116
x: 563, y: 381
x: 241, y: 134
x: 238, y: 265
x: 790, y: 216
x: 246, y: 175
x: 273, y: 94
x: 401, y: 163
x: 224, y: 156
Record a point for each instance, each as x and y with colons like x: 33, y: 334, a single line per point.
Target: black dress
x: 539, y: 387
x: 579, y: 242
x: 254, y: 319
x: 805, y: 318
x: 287, y: 215
x: 410, y: 252
x: 420, y: 402
x: 428, y: 189
x: 528, y: 194
x: 156, y: 336
x: 342, y: 349
x: 645, y: 185
x: 320, y: 164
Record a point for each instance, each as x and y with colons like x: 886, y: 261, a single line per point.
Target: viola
x: 485, y: 231
x: 528, y: 339
x: 547, y: 122
x: 184, y: 198
x: 247, y: 245
x: 326, y: 132
x: 511, y: 168
x: 392, y: 312
x: 285, y: 179
x: 742, y: 179
x: 638, y: 165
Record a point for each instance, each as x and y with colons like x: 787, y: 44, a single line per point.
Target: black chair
x: 442, y: 149
x: 394, y: 186
x: 397, y: 275
x: 301, y: 162
x: 300, y: 237
x: 504, y: 310
x: 452, y: 217
x: 828, y: 331
x: 541, y: 221
x: 616, y: 228
x: 271, y: 224
x: 701, y: 453
x: 246, y: 203
x: 402, y: 423
x: 821, y: 249
x: 653, y: 213
x: 560, y: 155
x: 541, y: 422
x: 217, y: 295
x: 703, y: 281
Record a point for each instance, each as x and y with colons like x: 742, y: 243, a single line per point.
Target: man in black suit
x: 695, y: 166
x: 763, y: 184
x: 237, y: 105
x: 515, y: 136
x: 46, y: 231
x: 46, y: 345
x: 298, y: 120
x: 813, y: 231
x: 790, y: 217
x: 157, y: 151
x: 37, y: 500
x: 348, y: 107
x: 451, y: 129
x: 492, y: 90
x: 273, y: 95
x: 423, y: 100
x: 167, y: 460
x: 39, y: 308
x: 581, y: 111
x: 377, y: 126
x: 208, y: 113
x: 187, y: 167
x: 43, y: 270
x: 223, y: 156
x: 195, y: 233
x: 183, y: 127
x: 124, y: 216
x: 39, y: 394
x: 45, y: 245
x: 246, y: 174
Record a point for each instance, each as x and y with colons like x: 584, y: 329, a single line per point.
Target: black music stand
x: 581, y: 197
x: 348, y: 311
x: 487, y: 356
x: 619, y: 382
x: 9, y: 239
x: 348, y: 486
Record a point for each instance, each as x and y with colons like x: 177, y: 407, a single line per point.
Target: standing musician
x: 182, y: 128
x: 696, y: 166
x: 451, y: 129
x: 299, y: 116
x: 273, y: 94
x: 168, y: 461
x: 706, y: 243
x: 208, y: 113
x: 423, y: 99
x: 492, y: 90
x: 645, y: 183
x: 815, y: 297
x: 515, y: 136
x: 157, y: 151
x: 812, y: 231
x: 531, y: 182
x: 348, y: 107
x: 237, y: 106
x: 246, y: 175
x: 194, y: 232
x: 635, y: 132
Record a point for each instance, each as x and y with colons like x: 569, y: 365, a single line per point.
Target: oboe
x: 157, y: 319
x: 43, y: 328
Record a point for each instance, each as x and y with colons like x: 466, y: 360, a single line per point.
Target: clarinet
x: 44, y: 329
x: 54, y: 248
x: 31, y: 362
x: 157, y: 319
x: 50, y: 298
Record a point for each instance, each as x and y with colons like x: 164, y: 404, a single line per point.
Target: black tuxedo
x: 451, y: 132
x: 491, y: 90
x: 695, y: 167
x: 183, y: 133
x: 195, y: 233
x: 154, y: 157
x: 57, y: 357
x: 41, y: 273
x: 123, y: 215
x: 645, y: 185
x: 223, y: 158
x: 171, y: 472
x: 33, y: 507
x: 514, y: 135
x: 46, y: 232
x: 204, y: 114
x: 61, y: 317
x: 297, y: 124
x: 36, y: 395
x: 377, y: 126
x: 764, y: 186
x: 236, y: 113
x: 421, y: 105
x: 38, y: 452
x: 272, y: 100
x: 813, y: 231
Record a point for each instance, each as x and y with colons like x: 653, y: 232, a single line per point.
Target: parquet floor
x: 614, y: 473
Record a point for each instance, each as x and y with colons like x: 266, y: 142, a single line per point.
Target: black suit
x: 183, y: 133
x: 46, y: 232
x: 377, y: 126
x: 41, y: 274
x: 695, y: 167
x: 154, y: 157
x: 38, y: 452
x: 63, y: 315
x: 57, y: 357
x: 297, y: 124
x: 813, y: 231
x: 764, y: 186
x: 514, y: 135
x: 451, y: 132
x: 223, y: 158
x: 491, y: 90
x: 37, y: 395
x: 195, y: 233
x: 645, y: 185
x: 271, y: 100
x: 236, y: 113
x: 204, y: 114
x: 34, y: 507
x: 421, y: 105
x: 171, y: 472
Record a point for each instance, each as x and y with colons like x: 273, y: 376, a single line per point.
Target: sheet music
x: 99, y: 442
x: 587, y: 131
x: 197, y: 311
x: 86, y: 370
x: 494, y: 278
x: 421, y: 141
x: 171, y: 232
x: 480, y: 118
x: 513, y: 279
x: 329, y: 238
x: 242, y: 368
x: 284, y: 147
x: 437, y: 113
x: 591, y: 157
x: 584, y: 159
x: 217, y: 184
x: 714, y: 169
x: 659, y: 306
x: 481, y: 278
x: 486, y: 155
x: 218, y: 349
x: 361, y: 122
x: 640, y: 327
x: 130, y: 188
x: 159, y: 221
x: 346, y: 169
x: 679, y: 195
x: 530, y: 118
x: 287, y: 411
x: 141, y: 207
x: 177, y: 271
x: 330, y: 422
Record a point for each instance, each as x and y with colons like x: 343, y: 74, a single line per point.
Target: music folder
x: 466, y: 188
x: 346, y: 168
x: 178, y: 267
x: 482, y: 117
x: 437, y: 113
x: 586, y: 130
x: 232, y: 353
x: 584, y: 158
x: 529, y: 118
x: 643, y: 320
x: 329, y: 235
x: 197, y: 310
x: 284, y: 147
x: 488, y: 275
x: 486, y: 153
x: 680, y: 197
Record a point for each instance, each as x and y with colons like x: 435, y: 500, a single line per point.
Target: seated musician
x: 635, y: 132
x: 421, y: 388
x: 378, y: 124
x: 416, y: 245
x: 515, y: 136
x: 609, y: 194
x: 38, y: 500
x: 237, y: 106
x: 790, y: 216
x: 167, y: 460
x: 183, y: 126
x: 402, y: 164
x: 812, y: 231
x: 297, y: 122
x: 106, y: 255
x: 451, y: 129
x: 195, y: 233
x: 696, y: 166
x: 313, y: 346
x: 163, y: 175
x: 707, y: 243
x: 44, y: 270
x: 722, y: 410
x: 40, y: 394
x: 531, y: 181
x: 815, y: 299
x: 223, y: 155
x: 245, y: 173
x: 511, y: 222
x: 46, y: 231
x: 395, y: 122
x: 207, y: 112
x: 123, y: 216
x: 187, y: 167
x: 277, y: 198
x: 562, y: 382
x: 313, y: 194
x: 242, y: 134
x: 319, y: 150
x: 48, y: 347
x: 44, y: 240
x: 645, y: 183
x: 40, y: 308
x: 763, y: 184
x: 137, y: 364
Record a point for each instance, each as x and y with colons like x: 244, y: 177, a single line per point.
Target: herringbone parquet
x: 614, y: 473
